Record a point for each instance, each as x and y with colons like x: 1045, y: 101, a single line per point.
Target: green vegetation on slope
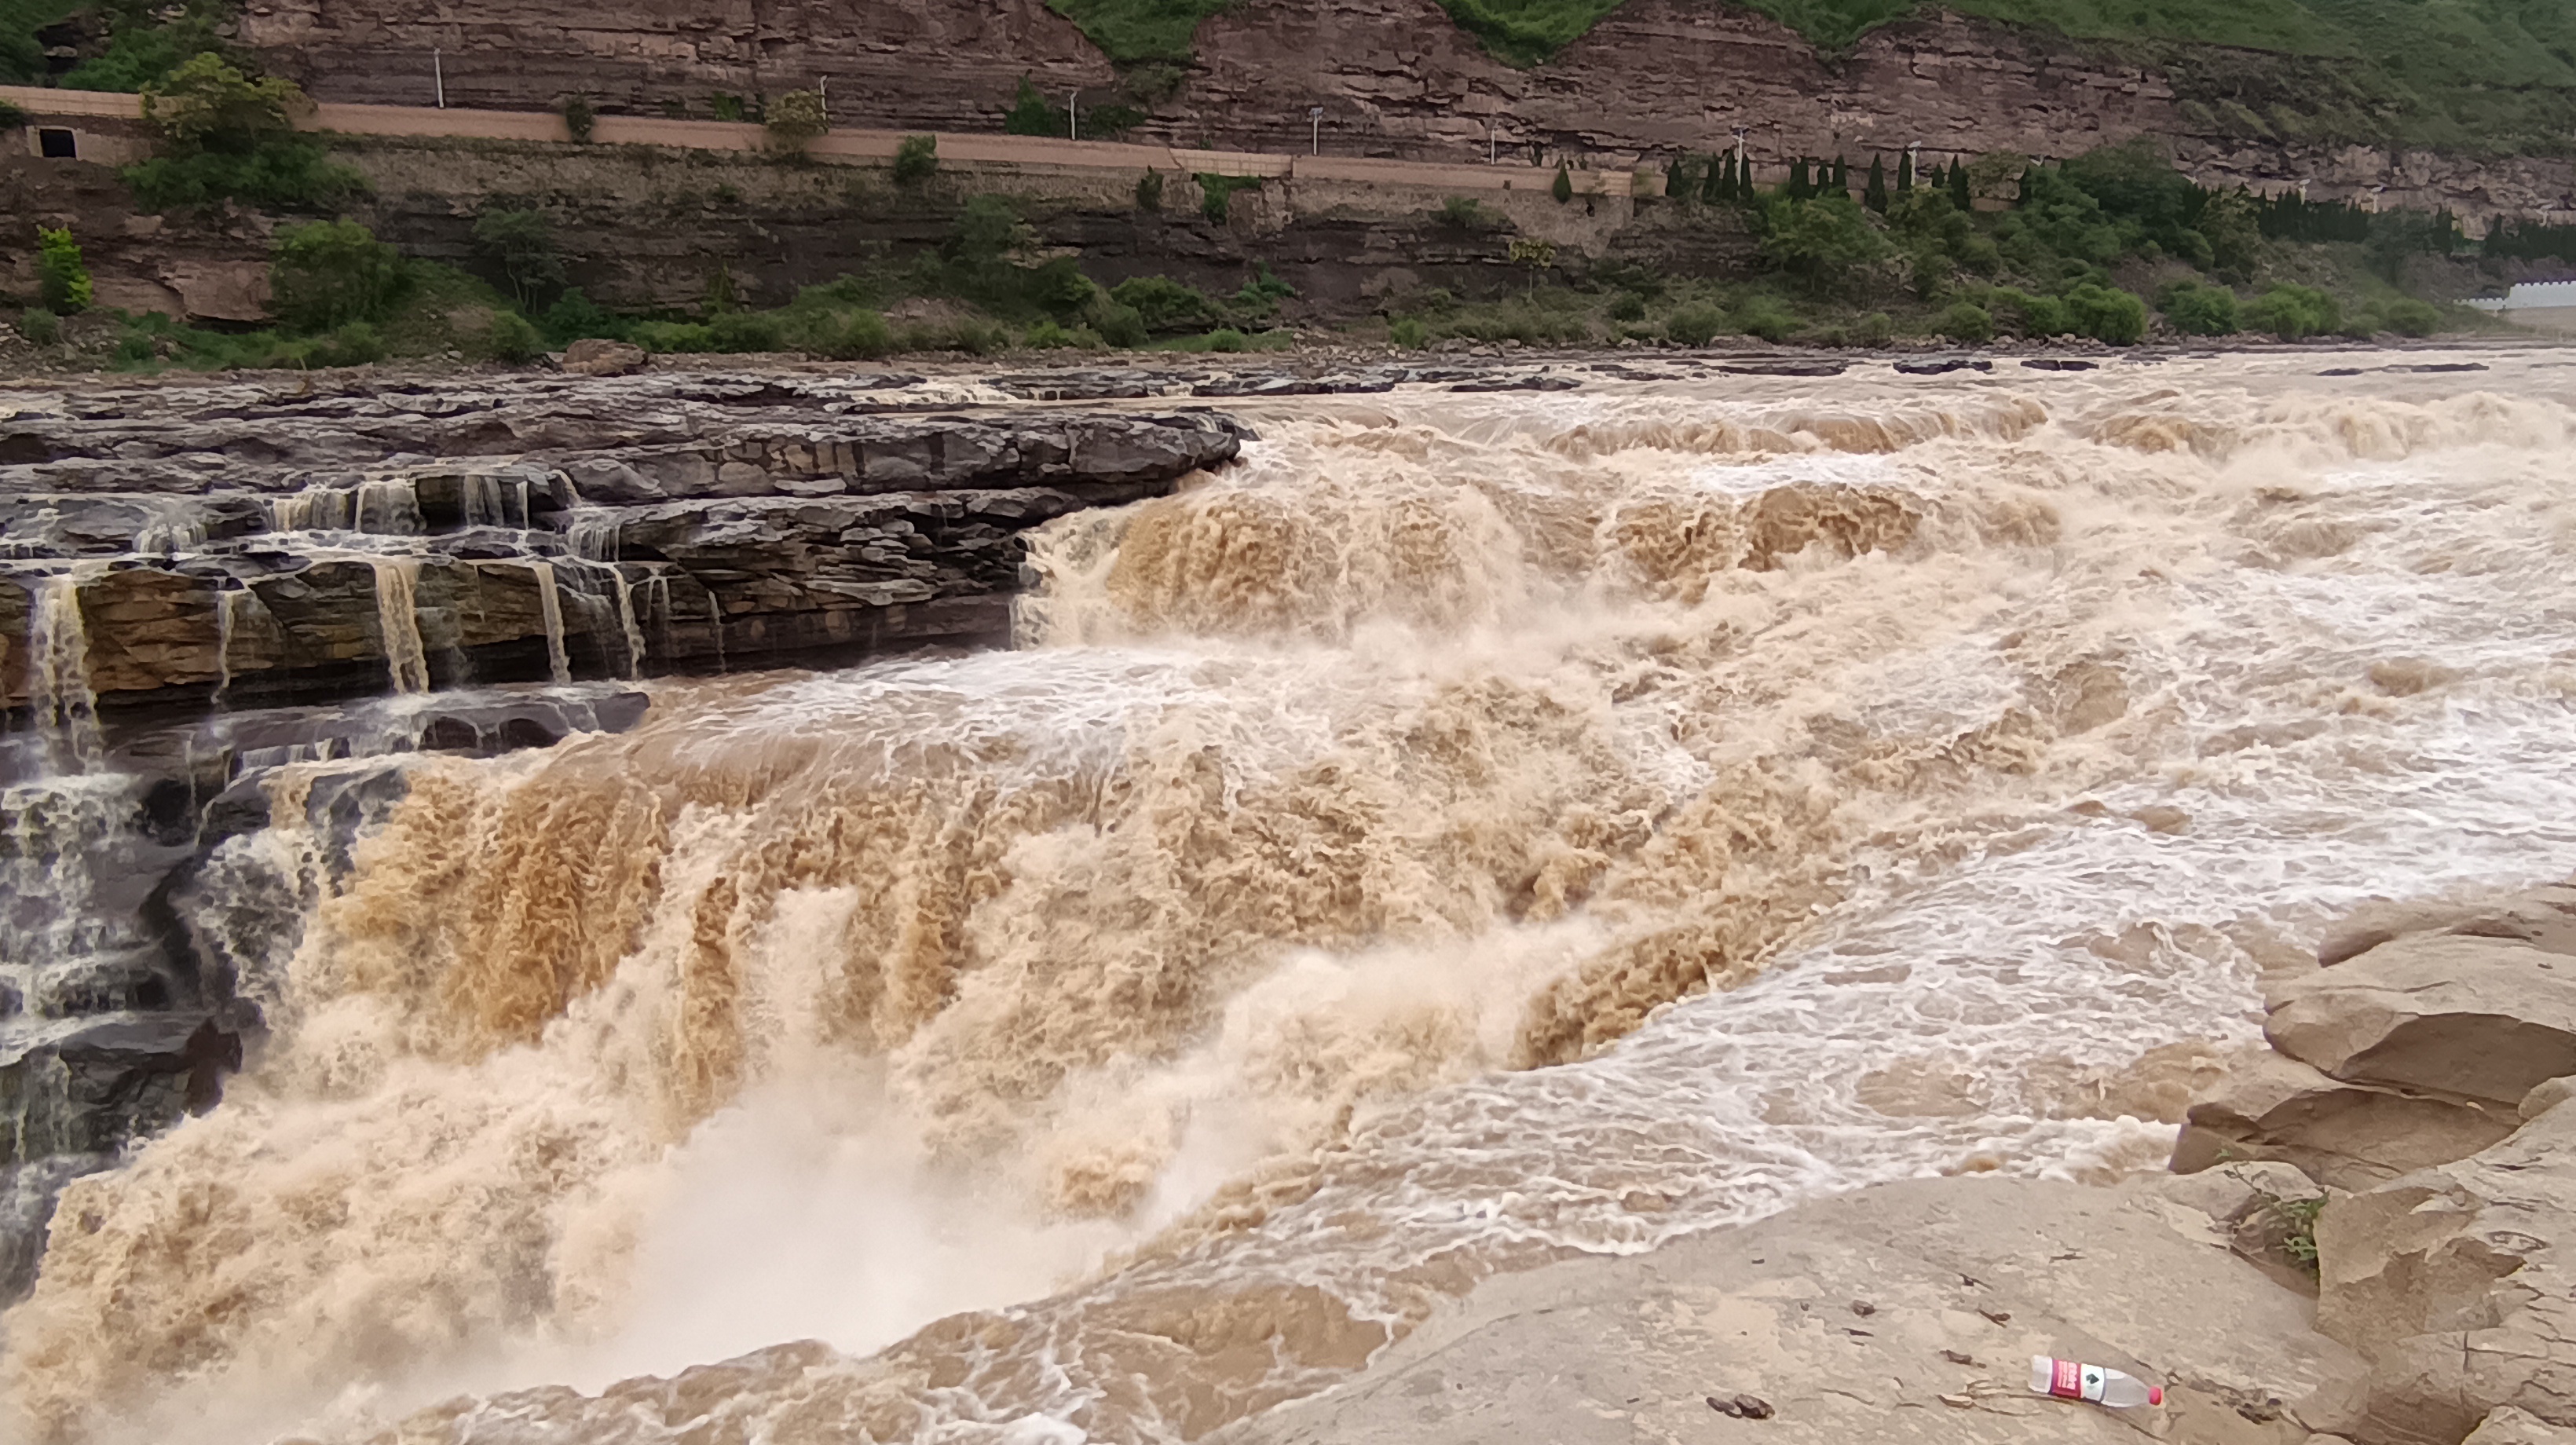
x: 1135, y: 31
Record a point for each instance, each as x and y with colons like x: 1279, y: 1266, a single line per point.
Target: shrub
x: 574, y: 316
x: 1966, y: 321
x: 916, y: 159
x: 62, y: 281
x: 725, y: 107
x: 1216, y: 194
x: 852, y: 336
x: 1695, y: 324
x: 1119, y: 325
x: 357, y: 344
x: 11, y: 117
x: 1030, y: 113
x: 1405, y: 332
x: 522, y: 243
x: 1149, y: 191
x: 1463, y: 213
x: 745, y: 331
x: 1563, y: 186
x: 1047, y: 336
x: 2106, y: 314
x: 2295, y: 312
x: 671, y: 336
x: 1165, y: 305
x: 1767, y: 319
x: 2197, y: 310
x: 40, y: 326
x: 1876, y: 329
x: 509, y: 337
x: 795, y: 120
x: 578, y: 117
x: 332, y: 273
x: 1823, y: 242
x: 2409, y: 317
x: 1627, y: 306
x: 1226, y: 338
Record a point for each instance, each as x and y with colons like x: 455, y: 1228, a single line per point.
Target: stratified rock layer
x: 264, y: 544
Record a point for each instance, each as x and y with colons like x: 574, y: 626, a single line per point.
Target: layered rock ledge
x: 171, y: 543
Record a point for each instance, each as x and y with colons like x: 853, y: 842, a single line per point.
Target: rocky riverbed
x: 2363, y: 1241
x: 200, y: 583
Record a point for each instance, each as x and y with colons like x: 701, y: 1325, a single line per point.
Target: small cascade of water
x: 388, y: 506
x: 591, y: 535
x: 398, y: 620
x: 59, y: 695
x: 550, y: 603
x: 225, y: 601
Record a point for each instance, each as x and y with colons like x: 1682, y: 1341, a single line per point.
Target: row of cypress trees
x: 1725, y: 177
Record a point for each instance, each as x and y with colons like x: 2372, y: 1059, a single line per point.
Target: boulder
x: 2471, y: 1015
x: 592, y: 356
x: 2344, y: 1135
x: 2458, y: 1284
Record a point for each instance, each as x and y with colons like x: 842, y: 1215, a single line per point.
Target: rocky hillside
x: 2404, y: 1138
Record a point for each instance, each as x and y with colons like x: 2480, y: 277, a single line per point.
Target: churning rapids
x: 1472, y: 828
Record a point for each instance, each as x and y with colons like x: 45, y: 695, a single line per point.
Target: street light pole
x: 1072, y: 117
x: 1314, y: 130
x: 438, y: 76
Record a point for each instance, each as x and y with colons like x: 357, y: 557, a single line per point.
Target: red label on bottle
x: 2066, y: 1380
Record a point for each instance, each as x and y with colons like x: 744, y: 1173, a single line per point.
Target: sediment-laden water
x: 1470, y: 829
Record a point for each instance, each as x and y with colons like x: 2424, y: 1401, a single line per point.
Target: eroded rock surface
x: 1905, y: 1312
x: 169, y: 543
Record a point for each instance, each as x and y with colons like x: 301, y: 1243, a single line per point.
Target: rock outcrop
x: 169, y: 544
x: 1905, y: 1312
x: 2413, y: 1045
x: 2423, y: 1072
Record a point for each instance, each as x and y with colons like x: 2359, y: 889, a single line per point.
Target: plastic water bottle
x: 2068, y: 1380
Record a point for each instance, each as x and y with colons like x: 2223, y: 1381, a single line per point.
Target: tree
x: 795, y: 120
x: 1960, y: 196
x: 1149, y: 191
x: 1841, y: 182
x: 579, y: 118
x: 522, y: 243
x: 206, y: 104
x: 1720, y: 184
x: 1030, y: 114
x: 2294, y: 312
x: 1905, y: 172
x: 1874, y: 194
x: 2106, y: 314
x: 329, y: 273
x: 62, y: 280
x: 1563, y: 186
x: 1822, y: 242
x: 916, y: 159
x: 1966, y: 321
x: 1682, y: 177
x: 1799, y: 189
x: 2197, y: 310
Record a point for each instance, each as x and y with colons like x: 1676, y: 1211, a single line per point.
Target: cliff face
x: 1393, y: 78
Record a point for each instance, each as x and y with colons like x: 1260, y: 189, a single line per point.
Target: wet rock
x: 593, y: 356
x: 2346, y: 1135
x: 2059, y: 363
x: 1942, y: 365
x: 2458, y: 1284
x: 2480, y: 1017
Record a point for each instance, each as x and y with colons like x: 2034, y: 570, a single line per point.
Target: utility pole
x: 438, y: 76
x: 1072, y: 117
x: 1493, y: 147
x: 1314, y: 130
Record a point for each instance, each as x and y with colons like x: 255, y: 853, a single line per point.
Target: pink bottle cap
x: 2155, y: 1395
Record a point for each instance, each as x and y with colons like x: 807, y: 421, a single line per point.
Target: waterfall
x: 398, y: 621
x: 225, y: 601
x: 58, y: 687
x: 550, y: 603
